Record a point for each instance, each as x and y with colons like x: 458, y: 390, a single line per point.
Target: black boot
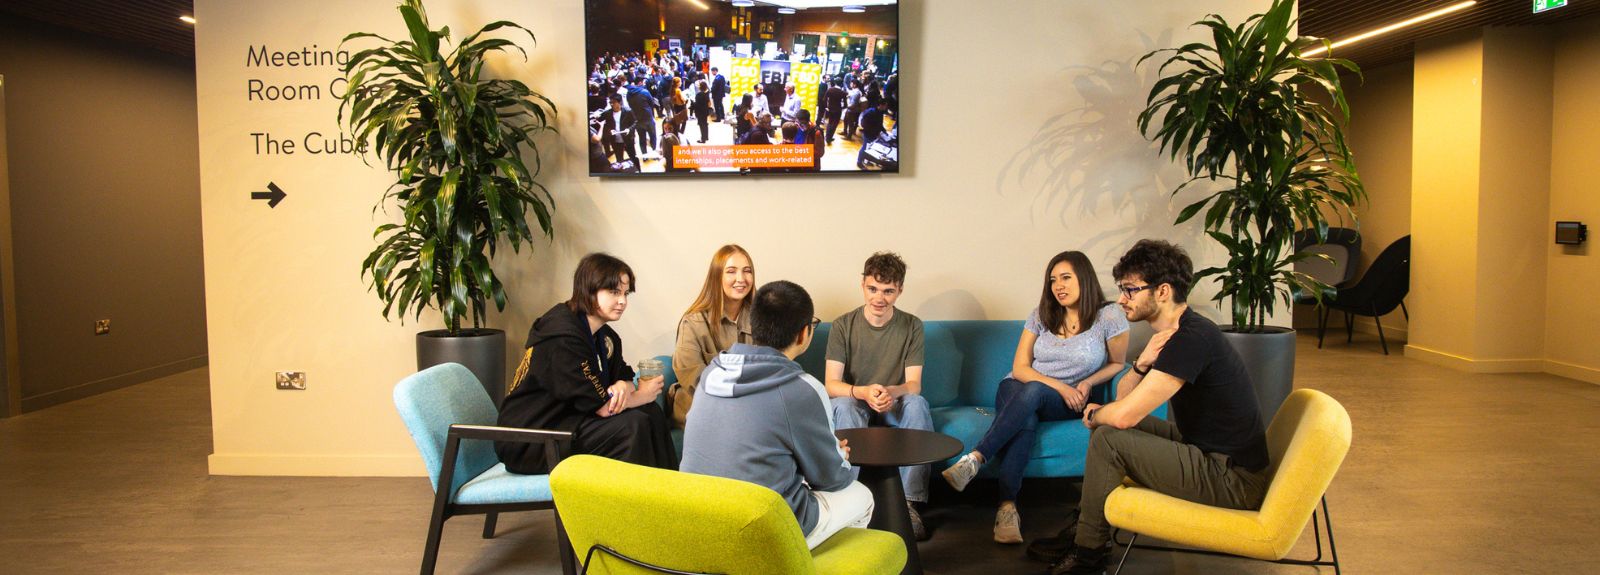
x: 1053, y: 549
x: 1083, y: 561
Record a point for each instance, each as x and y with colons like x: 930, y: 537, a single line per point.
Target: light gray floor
x: 1449, y: 473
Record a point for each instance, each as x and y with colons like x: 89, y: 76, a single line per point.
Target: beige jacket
x: 698, y: 343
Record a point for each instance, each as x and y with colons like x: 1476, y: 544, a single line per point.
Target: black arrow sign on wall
x: 272, y: 197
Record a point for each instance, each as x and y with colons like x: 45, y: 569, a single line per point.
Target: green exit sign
x: 1542, y: 5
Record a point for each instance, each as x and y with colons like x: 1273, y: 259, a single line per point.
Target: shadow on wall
x: 1091, y: 163
x: 953, y: 303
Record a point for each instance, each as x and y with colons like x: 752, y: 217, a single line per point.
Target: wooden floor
x: 1449, y: 473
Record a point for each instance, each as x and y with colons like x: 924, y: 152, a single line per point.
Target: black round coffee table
x: 881, y: 452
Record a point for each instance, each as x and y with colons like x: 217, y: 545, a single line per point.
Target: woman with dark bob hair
x: 1072, y: 342
x: 573, y: 378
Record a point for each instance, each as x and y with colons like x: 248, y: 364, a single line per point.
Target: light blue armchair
x: 442, y: 406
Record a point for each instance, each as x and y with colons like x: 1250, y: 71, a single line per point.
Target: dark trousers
x: 851, y: 118
x: 639, y: 435
x: 716, y: 103
x: 644, y: 133
x: 833, y: 127
x: 1154, y: 456
x: 705, y: 130
x: 1019, y: 407
x: 620, y: 151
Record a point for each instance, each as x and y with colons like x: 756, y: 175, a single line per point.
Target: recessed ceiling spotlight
x: 854, y: 9
x: 187, y: 18
x: 785, y: 10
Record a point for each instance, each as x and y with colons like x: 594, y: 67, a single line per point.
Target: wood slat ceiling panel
x: 154, y: 23
x: 1338, y: 19
x: 147, y: 23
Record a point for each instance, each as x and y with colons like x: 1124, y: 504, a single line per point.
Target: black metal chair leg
x: 1322, y: 326
x: 1125, y: 552
x: 1316, y: 534
x: 569, y: 558
x: 1379, y: 321
x: 1334, y: 550
x: 1404, y: 310
x: 430, y: 550
x: 1349, y: 327
x: 488, y: 525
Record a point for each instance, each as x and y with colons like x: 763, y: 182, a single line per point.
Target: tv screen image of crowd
x: 717, y: 87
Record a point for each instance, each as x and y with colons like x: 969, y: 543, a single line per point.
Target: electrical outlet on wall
x: 102, y: 326
x: 292, y: 380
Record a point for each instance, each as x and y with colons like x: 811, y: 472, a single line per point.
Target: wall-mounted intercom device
x: 1571, y: 233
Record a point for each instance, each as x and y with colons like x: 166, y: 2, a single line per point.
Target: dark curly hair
x: 886, y: 267
x: 1158, y: 262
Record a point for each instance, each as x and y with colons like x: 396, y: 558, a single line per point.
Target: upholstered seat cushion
x: 1058, y: 451
x: 496, y: 485
x: 859, y: 552
x: 1168, y: 518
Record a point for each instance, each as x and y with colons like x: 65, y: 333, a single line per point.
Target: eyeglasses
x: 815, y: 321
x: 1130, y: 291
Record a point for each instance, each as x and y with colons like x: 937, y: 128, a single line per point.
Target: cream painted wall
x: 1570, y: 345
x: 1514, y: 195
x: 1446, y: 114
x: 1020, y: 143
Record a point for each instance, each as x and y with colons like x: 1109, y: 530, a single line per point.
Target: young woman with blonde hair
x: 716, y: 320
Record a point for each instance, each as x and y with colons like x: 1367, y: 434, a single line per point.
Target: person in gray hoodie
x: 759, y: 417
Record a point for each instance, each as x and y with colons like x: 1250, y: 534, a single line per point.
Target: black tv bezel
x: 587, y: 4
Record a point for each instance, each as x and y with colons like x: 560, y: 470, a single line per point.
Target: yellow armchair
x: 1308, y: 440
x: 624, y: 518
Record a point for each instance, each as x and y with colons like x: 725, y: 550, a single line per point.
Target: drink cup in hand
x: 649, y: 369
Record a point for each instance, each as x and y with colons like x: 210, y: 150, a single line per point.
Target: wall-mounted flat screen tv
x: 707, y: 87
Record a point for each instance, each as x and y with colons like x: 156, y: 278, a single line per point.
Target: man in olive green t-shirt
x: 874, y: 373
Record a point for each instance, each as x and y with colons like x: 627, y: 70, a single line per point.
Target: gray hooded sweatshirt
x: 758, y: 417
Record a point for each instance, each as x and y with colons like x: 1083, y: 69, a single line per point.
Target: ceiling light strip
x: 1447, y: 10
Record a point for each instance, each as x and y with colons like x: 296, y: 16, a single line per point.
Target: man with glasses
x: 759, y: 417
x: 1214, y: 452
x: 874, y: 368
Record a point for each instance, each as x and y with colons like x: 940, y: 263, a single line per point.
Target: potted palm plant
x: 1239, y: 110
x: 455, y: 141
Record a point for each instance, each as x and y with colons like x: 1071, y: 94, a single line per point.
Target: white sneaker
x: 1007, y: 526
x: 962, y: 472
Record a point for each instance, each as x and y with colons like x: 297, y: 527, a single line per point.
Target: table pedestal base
x: 889, y: 511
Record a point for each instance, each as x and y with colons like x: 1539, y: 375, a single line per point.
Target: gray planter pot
x: 482, y: 350
x: 1269, y: 357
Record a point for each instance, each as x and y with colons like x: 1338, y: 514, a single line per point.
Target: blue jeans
x: 1019, y: 409
x: 909, y: 412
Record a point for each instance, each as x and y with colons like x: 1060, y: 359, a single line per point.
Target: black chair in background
x: 1383, y: 288
x: 1343, y: 247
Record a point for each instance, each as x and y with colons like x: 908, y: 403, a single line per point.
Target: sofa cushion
x: 1058, y: 450
x: 942, y: 359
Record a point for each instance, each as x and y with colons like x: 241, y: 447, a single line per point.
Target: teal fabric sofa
x: 965, y: 361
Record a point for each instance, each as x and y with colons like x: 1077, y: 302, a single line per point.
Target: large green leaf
x: 1238, y: 109
x: 456, y: 143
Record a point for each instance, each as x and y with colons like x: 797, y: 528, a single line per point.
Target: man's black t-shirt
x: 1216, y: 408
